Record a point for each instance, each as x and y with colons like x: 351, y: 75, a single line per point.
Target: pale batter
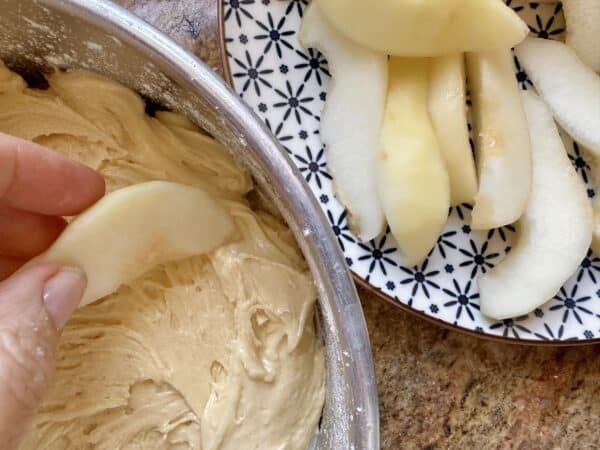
x: 213, y: 352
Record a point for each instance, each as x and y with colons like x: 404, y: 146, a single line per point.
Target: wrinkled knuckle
x: 25, y: 367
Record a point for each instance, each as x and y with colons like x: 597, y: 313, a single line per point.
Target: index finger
x: 34, y: 178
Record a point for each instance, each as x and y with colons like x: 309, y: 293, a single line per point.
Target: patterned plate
x: 286, y: 86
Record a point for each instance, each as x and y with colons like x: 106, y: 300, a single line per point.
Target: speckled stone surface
x: 439, y: 389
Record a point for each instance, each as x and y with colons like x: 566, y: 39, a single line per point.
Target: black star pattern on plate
x: 522, y: 78
x: 461, y: 210
x: 238, y: 9
x: 378, y: 253
x: 275, y: 36
x: 296, y: 5
x: 313, y: 167
x: 502, y: 232
x: 550, y: 336
x: 511, y: 327
x: 444, y: 241
x: 340, y: 228
x: 462, y: 299
x: 590, y: 266
x: 314, y: 63
x: 516, y: 8
x: 579, y: 162
x: 420, y: 278
x: 294, y: 102
x: 571, y: 304
x: 252, y: 73
x: 545, y: 30
x: 277, y: 132
x: 479, y: 258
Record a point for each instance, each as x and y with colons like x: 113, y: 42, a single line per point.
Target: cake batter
x: 212, y: 352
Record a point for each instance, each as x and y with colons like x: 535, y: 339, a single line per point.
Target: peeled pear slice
x: 583, y: 30
x: 582, y: 19
x: 351, y: 120
x: 554, y: 234
x: 448, y: 110
x: 133, y: 229
x: 426, y: 28
x: 567, y: 85
x: 503, y: 150
x: 413, y: 182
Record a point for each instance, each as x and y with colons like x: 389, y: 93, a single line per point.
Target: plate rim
x: 378, y: 293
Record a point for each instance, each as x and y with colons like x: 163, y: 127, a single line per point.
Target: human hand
x: 37, y: 188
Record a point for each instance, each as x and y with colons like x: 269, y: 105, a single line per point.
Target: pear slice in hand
x: 554, y: 233
x: 567, y: 85
x: 503, y: 150
x: 412, y: 177
x: 133, y: 229
x: 448, y: 110
x: 426, y: 27
x: 351, y: 120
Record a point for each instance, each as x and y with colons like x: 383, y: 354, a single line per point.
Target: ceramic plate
x: 286, y: 86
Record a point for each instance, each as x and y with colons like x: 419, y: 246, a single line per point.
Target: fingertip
x: 62, y: 294
x: 96, y: 185
x: 86, y: 187
x: 43, y: 181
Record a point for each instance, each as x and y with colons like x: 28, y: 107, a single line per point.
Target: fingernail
x: 62, y: 294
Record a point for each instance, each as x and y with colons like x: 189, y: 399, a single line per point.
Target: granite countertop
x: 438, y: 388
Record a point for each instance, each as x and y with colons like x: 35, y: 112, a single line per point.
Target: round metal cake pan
x: 41, y: 35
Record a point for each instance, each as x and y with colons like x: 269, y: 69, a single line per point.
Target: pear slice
x: 426, y: 28
x: 448, y: 111
x: 351, y: 120
x: 413, y: 182
x: 503, y: 150
x: 133, y: 229
x: 582, y: 18
x: 567, y: 85
x: 554, y: 233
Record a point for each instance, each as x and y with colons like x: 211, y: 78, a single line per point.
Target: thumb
x: 35, y: 304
